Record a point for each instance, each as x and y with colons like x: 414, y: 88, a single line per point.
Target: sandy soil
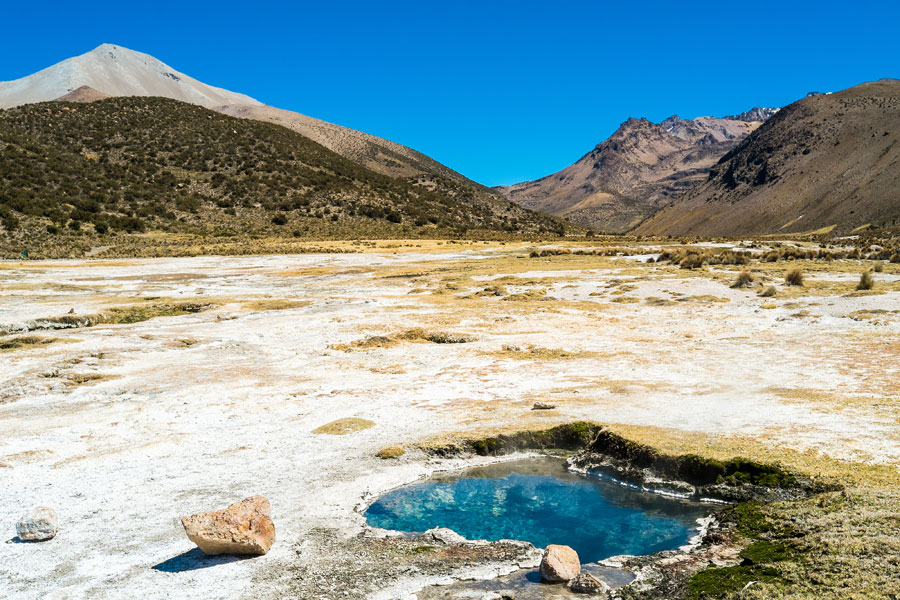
x: 193, y: 412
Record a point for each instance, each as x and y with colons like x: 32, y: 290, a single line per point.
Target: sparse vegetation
x: 435, y: 337
x: 73, y: 173
x: 744, y: 279
x: 866, y: 281
x: 25, y: 341
x: 344, y: 426
x: 794, y: 277
x: 410, y: 335
x: 532, y: 352
x: 276, y: 304
x: 391, y: 452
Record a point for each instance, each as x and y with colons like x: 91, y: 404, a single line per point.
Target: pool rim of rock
x: 590, y: 446
x: 569, y: 472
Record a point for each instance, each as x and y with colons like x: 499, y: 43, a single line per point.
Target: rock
x: 560, y: 564
x: 243, y: 528
x: 588, y: 584
x: 38, y: 525
x: 543, y: 406
x: 444, y: 536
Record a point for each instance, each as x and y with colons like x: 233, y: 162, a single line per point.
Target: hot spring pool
x: 538, y: 500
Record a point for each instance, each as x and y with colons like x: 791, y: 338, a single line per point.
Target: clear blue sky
x: 500, y: 91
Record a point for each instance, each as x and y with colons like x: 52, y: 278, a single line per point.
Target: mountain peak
x: 757, y: 113
x: 114, y: 70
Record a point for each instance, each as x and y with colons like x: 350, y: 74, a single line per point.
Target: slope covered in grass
x: 132, y: 165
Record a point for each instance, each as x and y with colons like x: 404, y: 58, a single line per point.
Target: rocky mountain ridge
x: 828, y: 162
x: 640, y: 167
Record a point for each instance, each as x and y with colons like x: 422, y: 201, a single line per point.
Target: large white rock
x: 38, y: 525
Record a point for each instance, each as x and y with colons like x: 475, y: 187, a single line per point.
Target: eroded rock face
x: 38, y: 525
x: 243, y: 528
x: 560, y: 564
x: 588, y: 584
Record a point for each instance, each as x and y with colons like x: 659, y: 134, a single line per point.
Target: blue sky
x: 500, y: 91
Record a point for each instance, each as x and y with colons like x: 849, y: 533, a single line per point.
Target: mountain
x: 83, y: 94
x: 131, y: 165
x: 640, y: 167
x: 368, y: 150
x: 826, y: 161
x: 114, y: 71
x: 110, y: 70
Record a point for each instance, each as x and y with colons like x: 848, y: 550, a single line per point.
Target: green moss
x: 726, y: 581
x: 568, y: 437
x: 771, y: 543
x: 694, y: 469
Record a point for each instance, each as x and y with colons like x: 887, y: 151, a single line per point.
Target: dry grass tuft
x: 794, y: 277
x: 866, y: 281
x: 410, y: 335
x: 76, y: 379
x: 25, y: 341
x: 344, y: 426
x: 538, y: 353
x: 275, y: 304
x: 744, y: 279
x: 391, y: 452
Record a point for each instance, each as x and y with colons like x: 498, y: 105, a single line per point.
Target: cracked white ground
x: 197, y: 411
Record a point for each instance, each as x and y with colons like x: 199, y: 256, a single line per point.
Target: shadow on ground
x: 195, y: 559
x: 18, y: 540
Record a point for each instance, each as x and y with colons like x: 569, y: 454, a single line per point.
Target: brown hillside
x: 84, y: 93
x: 827, y: 161
x: 642, y: 166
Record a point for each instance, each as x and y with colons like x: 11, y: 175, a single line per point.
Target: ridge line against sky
x: 500, y: 91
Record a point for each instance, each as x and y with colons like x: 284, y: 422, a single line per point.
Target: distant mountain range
x: 828, y: 162
x: 104, y: 157
x: 640, y: 167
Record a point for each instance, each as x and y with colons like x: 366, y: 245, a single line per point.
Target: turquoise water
x: 539, y: 501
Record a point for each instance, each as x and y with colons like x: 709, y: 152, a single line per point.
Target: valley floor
x: 124, y: 427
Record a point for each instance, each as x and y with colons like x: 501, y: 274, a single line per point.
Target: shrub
x: 744, y: 279
x: 878, y: 268
x: 794, y: 277
x: 895, y: 258
x: 768, y: 292
x: 866, y: 281
x: 391, y: 452
x: 279, y: 219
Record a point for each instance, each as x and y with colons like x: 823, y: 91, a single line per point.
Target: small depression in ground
x: 538, y: 500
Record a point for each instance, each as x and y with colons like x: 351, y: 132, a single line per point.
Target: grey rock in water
x: 560, y: 564
x: 442, y: 535
x: 39, y: 525
x: 588, y: 584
